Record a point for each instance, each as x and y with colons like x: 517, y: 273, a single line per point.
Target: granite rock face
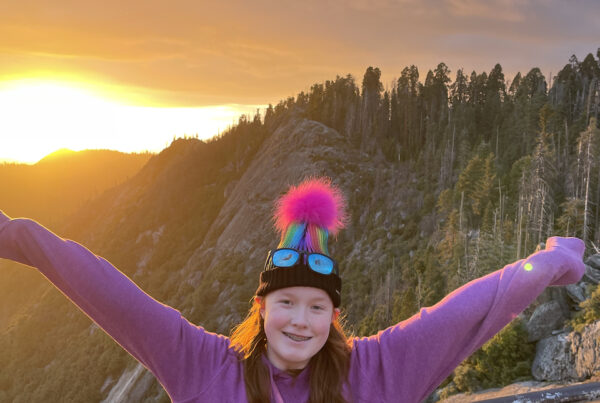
x: 576, y: 292
x: 547, y: 317
x: 594, y: 261
x: 592, y: 275
x: 553, y: 359
x: 563, y: 358
x: 585, y: 347
x: 568, y: 357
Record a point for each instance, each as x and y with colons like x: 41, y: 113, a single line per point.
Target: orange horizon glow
x: 195, y: 67
x: 43, y: 115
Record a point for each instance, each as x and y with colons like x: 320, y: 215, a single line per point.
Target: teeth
x: 296, y: 338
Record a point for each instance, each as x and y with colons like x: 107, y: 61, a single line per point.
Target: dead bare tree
x: 588, y: 158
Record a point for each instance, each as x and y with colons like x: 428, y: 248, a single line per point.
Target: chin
x: 291, y: 356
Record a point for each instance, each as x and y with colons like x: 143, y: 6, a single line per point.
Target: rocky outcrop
x: 553, y: 359
x: 562, y: 358
x: 594, y: 261
x: 585, y: 347
x: 521, y: 392
x: 592, y: 274
x: 572, y: 356
x: 568, y: 357
x: 132, y: 386
x: 576, y: 292
x: 545, y: 319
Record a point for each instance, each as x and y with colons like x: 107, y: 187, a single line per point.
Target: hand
x: 570, y: 255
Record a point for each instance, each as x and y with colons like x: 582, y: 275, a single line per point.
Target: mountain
x: 445, y: 183
x: 62, y: 181
x: 49, y: 191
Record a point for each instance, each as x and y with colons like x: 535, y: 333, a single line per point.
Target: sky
x: 133, y: 75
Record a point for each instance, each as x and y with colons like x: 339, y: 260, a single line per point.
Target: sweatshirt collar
x: 277, y: 373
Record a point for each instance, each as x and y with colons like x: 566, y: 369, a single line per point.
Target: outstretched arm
x: 409, y: 360
x: 155, y: 334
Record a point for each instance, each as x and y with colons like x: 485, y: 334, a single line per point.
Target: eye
x: 285, y: 302
x: 318, y: 307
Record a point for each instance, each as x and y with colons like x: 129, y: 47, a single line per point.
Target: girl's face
x: 297, y: 321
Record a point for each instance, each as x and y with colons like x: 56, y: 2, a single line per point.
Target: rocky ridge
x: 563, y: 357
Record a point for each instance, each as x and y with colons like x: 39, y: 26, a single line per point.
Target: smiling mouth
x: 296, y: 338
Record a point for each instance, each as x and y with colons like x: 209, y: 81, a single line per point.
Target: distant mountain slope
x: 148, y: 227
x: 61, y: 182
x: 192, y: 229
x: 48, y: 192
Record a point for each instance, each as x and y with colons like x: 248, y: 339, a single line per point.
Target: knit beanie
x: 305, y: 216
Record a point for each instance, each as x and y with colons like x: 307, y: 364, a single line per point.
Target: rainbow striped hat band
x: 305, y: 217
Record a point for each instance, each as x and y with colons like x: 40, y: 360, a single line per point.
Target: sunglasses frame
x: 302, y: 260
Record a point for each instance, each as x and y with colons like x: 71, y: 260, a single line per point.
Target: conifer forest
x: 449, y: 175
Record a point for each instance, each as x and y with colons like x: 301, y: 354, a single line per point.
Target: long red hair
x: 328, y: 368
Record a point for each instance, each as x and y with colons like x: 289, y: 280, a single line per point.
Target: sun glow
x: 39, y: 117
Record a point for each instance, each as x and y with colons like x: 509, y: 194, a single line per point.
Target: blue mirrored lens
x: 320, y: 263
x: 285, y: 257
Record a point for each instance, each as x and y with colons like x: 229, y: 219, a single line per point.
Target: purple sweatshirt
x: 403, y: 363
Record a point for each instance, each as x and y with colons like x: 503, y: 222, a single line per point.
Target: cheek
x: 274, y: 321
x: 323, y: 326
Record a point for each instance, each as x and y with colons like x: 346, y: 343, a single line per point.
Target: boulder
x: 558, y: 294
x: 576, y: 292
x: 591, y: 275
x: 568, y: 357
x: 585, y: 347
x: 553, y: 359
x: 547, y: 317
x: 594, y: 261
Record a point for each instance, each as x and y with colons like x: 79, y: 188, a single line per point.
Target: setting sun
x: 41, y: 116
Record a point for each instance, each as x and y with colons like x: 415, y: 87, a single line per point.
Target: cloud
x: 499, y: 10
x: 202, y: 53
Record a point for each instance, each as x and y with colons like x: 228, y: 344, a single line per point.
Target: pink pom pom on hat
x: 308, y: 213
x: 314, y: 201
x: 305, y: 216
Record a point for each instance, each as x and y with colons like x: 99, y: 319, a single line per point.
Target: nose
x: 299, y: 317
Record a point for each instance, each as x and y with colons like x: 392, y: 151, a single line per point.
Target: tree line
x: 512, y: 161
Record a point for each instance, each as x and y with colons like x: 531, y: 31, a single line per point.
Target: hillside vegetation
x: 446, y: 179
x: 63, y: 181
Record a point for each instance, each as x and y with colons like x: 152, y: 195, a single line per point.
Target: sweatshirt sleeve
x: 407, y: 361
x: 157, y: 335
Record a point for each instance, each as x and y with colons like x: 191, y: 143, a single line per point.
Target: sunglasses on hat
x: 287, y: 257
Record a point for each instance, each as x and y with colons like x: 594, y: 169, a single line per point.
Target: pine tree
x: 408, y: 112
x: 371, y: 96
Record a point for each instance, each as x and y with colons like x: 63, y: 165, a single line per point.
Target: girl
x: 291, y: 347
